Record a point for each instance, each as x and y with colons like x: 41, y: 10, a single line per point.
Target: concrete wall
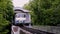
x: 53, y: 29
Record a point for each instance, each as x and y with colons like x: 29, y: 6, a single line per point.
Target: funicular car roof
x: 20, y: 9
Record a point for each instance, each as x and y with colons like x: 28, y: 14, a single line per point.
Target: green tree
x: 6, y: 15
x: 44, y: 12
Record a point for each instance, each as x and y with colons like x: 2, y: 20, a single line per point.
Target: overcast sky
x: 19, y: 3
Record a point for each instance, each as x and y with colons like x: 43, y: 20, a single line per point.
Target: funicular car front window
x: 20, y: 15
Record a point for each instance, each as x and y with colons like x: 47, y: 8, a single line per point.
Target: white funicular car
x: 22, y: 16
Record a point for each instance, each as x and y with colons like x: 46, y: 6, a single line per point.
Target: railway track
x: 35, y: 31
x: 25, y: 30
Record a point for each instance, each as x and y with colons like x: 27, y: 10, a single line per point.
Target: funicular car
x: 22, y: 17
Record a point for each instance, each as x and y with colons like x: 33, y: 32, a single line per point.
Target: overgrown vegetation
x: 6, y: 14
x: 44, y: 12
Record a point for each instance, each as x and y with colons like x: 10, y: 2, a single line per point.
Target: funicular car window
x: 20, y: 15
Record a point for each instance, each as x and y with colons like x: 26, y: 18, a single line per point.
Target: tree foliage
x: 44, y: 12
x: 6, y: 14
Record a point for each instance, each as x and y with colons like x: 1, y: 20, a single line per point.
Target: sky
x: 19, y: 3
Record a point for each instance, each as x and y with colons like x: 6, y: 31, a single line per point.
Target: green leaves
x: 6, y: 15
x: 45, y: 12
